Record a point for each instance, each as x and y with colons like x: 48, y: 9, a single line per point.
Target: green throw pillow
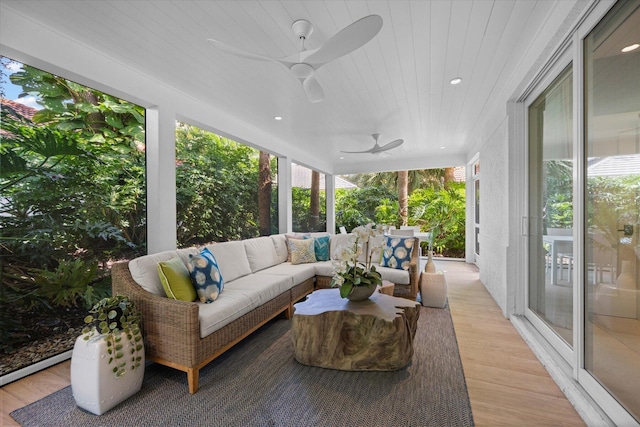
x: 175, y: 280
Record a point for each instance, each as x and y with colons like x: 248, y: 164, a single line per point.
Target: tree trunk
x: 448, y: 177
x: 264, y: 194
x: 314, y: 203
x: 403, y: 196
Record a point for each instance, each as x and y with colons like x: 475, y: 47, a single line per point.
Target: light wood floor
x: 507, y: 384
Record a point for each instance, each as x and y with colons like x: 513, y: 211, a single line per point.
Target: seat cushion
x: 395, y: 275
x: 299, y: 272
x: 261, y: 253
x: 324, y: 268
x: 230, y: 305
x: 262, y: 287
x: 232, y: 259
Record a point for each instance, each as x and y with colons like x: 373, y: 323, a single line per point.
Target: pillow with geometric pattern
x: 321, y: 247
x: 205, y: 275
x: 302, y: 251
x: 396, y: 252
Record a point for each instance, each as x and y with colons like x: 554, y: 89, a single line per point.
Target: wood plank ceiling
x: 397, y: 84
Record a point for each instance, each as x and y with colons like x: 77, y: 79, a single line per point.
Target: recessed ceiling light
x: 456, y: 81
x: 442, y: 147
x: 630, y: 47
x: 341, y: 157
x: 277, y: 118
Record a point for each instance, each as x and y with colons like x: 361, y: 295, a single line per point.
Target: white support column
x: 330, y: 195
x: 161, y: 179
x: 285, y: 200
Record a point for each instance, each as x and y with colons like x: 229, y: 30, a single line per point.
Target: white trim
x: 32, y: 369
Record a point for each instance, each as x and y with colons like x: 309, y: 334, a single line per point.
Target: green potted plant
x: 109, y: 317
x: 357, y: 280
x: 107, y: 364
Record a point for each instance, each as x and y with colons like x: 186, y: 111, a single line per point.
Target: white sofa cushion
x: 324, y: 268
x: 280, y: 243
x: 261, y: 253
x: 338, y: 241
x: 399, y: 277
x: 395, y: 275
x: 229, y: 306
x: 299, y: 272
x: 262, y: 287
x: 232, y: 259
x: 144, y: 270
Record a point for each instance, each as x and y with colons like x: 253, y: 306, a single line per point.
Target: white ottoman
x: 433, y: 289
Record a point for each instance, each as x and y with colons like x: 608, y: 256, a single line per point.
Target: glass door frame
x: 571, y: 51
x: 565, y: 58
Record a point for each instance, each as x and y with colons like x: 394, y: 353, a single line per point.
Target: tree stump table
x: 372, y: 335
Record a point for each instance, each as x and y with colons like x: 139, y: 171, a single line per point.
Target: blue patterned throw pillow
x: 396, y: 252
x: 321, y: 247
x: 205, y: 275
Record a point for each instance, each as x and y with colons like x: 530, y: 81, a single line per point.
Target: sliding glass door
x: 551, y: 260
x: 583, y: 258
x: 612, y: 247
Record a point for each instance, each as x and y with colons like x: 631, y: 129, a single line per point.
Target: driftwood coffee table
x: 372, y: 335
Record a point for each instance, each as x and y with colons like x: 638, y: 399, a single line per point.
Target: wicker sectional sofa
x: 259, y: 284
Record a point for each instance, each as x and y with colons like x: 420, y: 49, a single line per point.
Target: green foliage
x: 301, y: 210
x: 443, y: 212
x: 216, y: 181
x: 109, y: 317
x: 70, y: 284
x: 73, y: 187
x: 358, y: 206
x: 558, y: 194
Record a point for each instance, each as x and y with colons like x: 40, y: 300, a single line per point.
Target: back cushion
x: 280, y: 243
x: 261, y: 253
x: 337, y: 241
x: 232, y: 259
x: 144, y: 270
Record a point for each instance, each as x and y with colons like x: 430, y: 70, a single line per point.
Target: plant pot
x: 361, y: 293
x: 93, y: 383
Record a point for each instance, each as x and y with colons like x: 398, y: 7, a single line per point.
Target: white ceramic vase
x: 430, y: 267
x: 93, y: 383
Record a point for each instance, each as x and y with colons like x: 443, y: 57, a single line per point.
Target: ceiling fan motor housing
x: 302, y: 28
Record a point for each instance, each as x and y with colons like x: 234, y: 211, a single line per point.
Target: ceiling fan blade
x: 346, y: 40
x: 250, y: 55
x: 391, y: 145
x: 312, y: 89
x: 358, y: 152
x: 238, y: 52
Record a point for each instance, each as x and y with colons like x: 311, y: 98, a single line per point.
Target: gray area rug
x: 259, y: 383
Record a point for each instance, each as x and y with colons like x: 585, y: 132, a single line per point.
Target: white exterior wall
x: 494, y: 218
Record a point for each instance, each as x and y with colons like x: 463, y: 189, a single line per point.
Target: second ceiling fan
x: 304, y: 64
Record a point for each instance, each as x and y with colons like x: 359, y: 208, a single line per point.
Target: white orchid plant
x: 348, y: 271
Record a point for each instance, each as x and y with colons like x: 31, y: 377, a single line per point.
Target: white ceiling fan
x: 304, y: 63
x: 380, y: 149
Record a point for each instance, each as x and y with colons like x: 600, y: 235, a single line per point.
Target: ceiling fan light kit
x: 304, y: 64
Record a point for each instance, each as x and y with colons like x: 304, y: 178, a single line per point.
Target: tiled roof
x: 21, y: 109
x: 615, y: 166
